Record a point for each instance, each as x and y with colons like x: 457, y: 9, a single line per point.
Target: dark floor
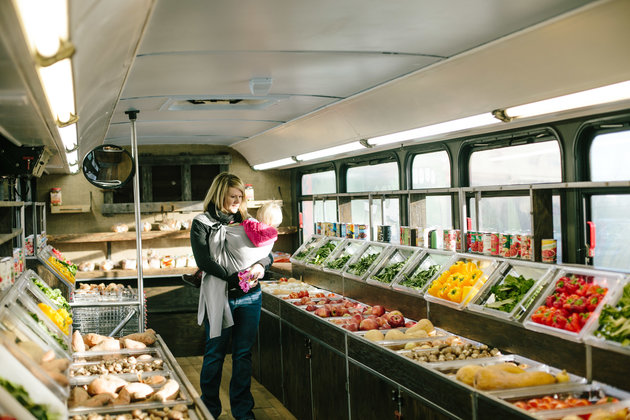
x: 267, y: 406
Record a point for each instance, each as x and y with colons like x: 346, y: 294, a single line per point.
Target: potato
x: 374, y: 335
x: 395, y: 334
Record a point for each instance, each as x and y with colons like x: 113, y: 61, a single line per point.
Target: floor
x: 267, y: 406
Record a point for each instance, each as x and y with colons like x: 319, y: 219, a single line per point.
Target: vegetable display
x: 459, y: 283
x: 323, y: 252
x: 505, y: 295
x: 339, y: 262
x: 53, y: 294
x: 58, y: 339
x: 614, y: 321
x: 360, y: 267
x: 60, y: 317
x: 39, y: 411
x: 421, y: 277
x: 555, y: 402
x: 571, y: 303
x: 387, y: 274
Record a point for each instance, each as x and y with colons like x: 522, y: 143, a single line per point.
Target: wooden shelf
x: 11, y: 203
x: 70, y: 208
x: 254, y: 204
x: 6, y: 237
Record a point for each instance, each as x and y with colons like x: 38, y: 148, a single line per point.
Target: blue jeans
x: 246, y: 314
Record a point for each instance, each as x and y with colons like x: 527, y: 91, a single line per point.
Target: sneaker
x: 191, y: 280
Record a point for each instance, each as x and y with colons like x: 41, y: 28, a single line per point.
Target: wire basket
x: 108, y: 320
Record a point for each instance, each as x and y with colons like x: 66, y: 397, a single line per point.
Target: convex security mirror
x: 108, y: 166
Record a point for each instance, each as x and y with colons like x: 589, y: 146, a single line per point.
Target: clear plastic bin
x: 48, y: 257
x: 423, y: 269
x: 301, y: 254
x: 338, y: 260
x: 486, y: 301
x: 321, y: 253
x: 591, y: 337
x: 392, y: 264
x: 607, y: 280
x: 470, y: 287
x: 361, y: 264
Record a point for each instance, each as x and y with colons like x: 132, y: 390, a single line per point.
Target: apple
x: 410, y: 324
x: 381, y: 320
x: 378, y: 310
x: 338, y: 310
x: 322, y: 311
x: 396, y: 320
x: 353, y: 326
x: 368, y: 324
x: 385, y: 326
x: 357, y: 318
x: 310, y: 308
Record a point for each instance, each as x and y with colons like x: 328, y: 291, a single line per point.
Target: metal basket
x: 108, y: 320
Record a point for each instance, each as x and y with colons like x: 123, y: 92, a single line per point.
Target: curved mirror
x: 108, y: 166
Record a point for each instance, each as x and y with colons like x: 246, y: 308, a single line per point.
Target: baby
x: 241, y: 245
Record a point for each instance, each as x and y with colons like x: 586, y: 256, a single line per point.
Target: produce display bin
x: 592, y: 394
x: 362, y: 263
x: 126, y: 363
x: 47, y: 256
x: 398, y: 258
x: 301, y: 254
x: 562, y: 286
x: 618, y: 410
x: 616, y: 306
x: 284, y: 288
x: 475, y: 272
x: 416, y: 277
x: 338, y: 260
x: 320, y: 254
x: 510, y: 279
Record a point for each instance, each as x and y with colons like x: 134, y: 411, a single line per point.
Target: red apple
x: 351, y: 326
x: 310, y: 308
x: 378, y: 310
x: 381, y: 320
x: 385, y: 326
x: 322, y: 311
x: 338, y: 310
x: 396, y: 320
x: 357, y: 318
x: 410, y: 324
x: 368, y: 324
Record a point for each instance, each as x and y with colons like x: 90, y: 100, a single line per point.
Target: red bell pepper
x: 592, y: 303
x: 537, y: 316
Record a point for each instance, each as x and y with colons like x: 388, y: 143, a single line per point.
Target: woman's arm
x: 199, y: 244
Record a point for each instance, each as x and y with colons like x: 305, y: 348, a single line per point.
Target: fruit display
x: 460, y: 282
x: 614, y: 320
x: 285, y: 286
x: 134, y: 364
x: 53, y: 294
x: 60, y: 317
x: 572, y: 300
x: 509, y: 292
x: 420, y: 277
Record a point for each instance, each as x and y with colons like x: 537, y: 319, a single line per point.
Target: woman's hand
x: 256, y: 272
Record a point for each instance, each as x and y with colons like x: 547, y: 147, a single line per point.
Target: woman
x: 239, y: 316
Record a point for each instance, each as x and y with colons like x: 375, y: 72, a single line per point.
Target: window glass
x: 431, y: 170
x: 439, y: 211
x: 608, y: 160
x: 524, y: 164
x: 610, y: 215
x: 201, y: 176
x: 386, y: 212
x: 360, y: 211
x: 167, y: 183
x: 381, y: 177
x: 308, y: 221
x: 319, y: 183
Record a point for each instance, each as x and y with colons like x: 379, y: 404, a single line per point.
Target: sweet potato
x: 92, y: 339
x: 56, y: 365
x: 78, y: 395
x: 98, y: 400
x: 78, y: 344
x: 111, y: 344
x: 494, y: 378
x: 139, y: 390
x: 168, y: 391
x: 128, y: 343
x: 148, y: 337
x: 123, y: 398
x: 106, y: 384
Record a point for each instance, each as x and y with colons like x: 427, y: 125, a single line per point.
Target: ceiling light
x: 45, y: 24
x: 74, y: 168
x: 592, y: 97
x: 68, y: 136
x: 344, y: 148
x: 72, y: 158
x: 435, y: 129
x: 260, y: 86
x: 275, y: 164
x: 57, y: 81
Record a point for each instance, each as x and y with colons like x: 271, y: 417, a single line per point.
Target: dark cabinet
x: 412, y: 408
x: 267, y: 355
x: 371, y: 396
x: 328, y: 380
x: 296, y: 375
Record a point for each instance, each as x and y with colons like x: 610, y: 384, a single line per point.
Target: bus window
x: 308, y: 219
x: 608, y: 157
x: 431, y: 170
x: 319, y: 183
x: 391, y: 211
x: 321, y: 211
x: 523, y: 164
x: 439, y: 211
x: 381, y: 177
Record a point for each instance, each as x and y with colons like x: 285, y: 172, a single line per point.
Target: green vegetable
x: 53, y: 294
x: 421, y: 277
x: 323, y: 252
x: 72, y: 268
x: 50, y: 333
x: 614, y: 321
x: 509, y: 292
x: 387, y: 274
x: 360, y: 267
x: 302, y: 254
x: 39, y: 411
x: 339, y: 262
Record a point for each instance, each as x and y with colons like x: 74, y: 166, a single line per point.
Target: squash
x: 490, y: 378
x: 466, y: 374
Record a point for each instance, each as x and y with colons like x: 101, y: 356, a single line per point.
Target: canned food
x: 526, y: 247
x: 405, y: 235
x: 433, y: 239
x: 505, y: 239
x: 470, y: 241
x: 342, y: 229
x: 55, y: 196
x: 416, y: 237
x: 487, y: 243
x: 515, y: 247
x: 458, y: 240
x: 450, y: 239
x: 318, y: 228
x: 349, y: 230
x: 384, y: 233
x: 549, y: 250
x: 360, y: 231
x: 494, y: 243
x: 479, y: 243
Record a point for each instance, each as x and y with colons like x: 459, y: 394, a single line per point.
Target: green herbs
x: 50, y: 333
x: 614, y: 321
x: 387, y: 274
x: 323, y: 252
x: 39, y: 411
x: 421, y: 277
x: 339, y: 262
x: 509, y: 292
x: 53, y: 294
x: 360, y: 267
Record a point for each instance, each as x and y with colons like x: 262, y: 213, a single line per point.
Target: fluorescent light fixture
x: 591, y: 97
x: 68, y: 136
x: 72, y: 158
x: 274, y: 164
x: 57, y: 82
x: 45, y: 23
x: 74, y: 168
x: 435, y: 129
x: 344, y: 148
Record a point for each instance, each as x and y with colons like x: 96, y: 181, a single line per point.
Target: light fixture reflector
x: 59, y: 88
x: 337, y: 150
x: 274, y: 164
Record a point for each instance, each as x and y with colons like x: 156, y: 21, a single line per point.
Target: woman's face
x: 232, y: 200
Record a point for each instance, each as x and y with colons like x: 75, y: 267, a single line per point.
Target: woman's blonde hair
x: 219, y: 189
x: 270, y: 214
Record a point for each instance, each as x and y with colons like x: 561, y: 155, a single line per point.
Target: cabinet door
x: 328, y: 373
x: 413, y: 408
x: 296, y: 372
x: 371, y: 397
x: 268, y: 360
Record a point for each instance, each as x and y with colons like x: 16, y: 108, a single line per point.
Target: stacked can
x: 526, y: 246
x: 494, y: 244
x: 515, y: 246
x: 360, y: 231
x: 458, y: 240
x: 549, y: 250
x: 349, y: 230
x: 470, y: 241
x: 318, y: 228
x: 342, y: 230
x: 505, y: 240
x: 405, y: 235
x: 450, y: 239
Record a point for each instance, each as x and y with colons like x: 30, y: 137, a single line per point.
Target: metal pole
x: 136, y: 205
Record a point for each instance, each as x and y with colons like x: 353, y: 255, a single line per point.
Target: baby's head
x: 270, y: 214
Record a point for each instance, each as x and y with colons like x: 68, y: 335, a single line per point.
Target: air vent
x: 220, y: 103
